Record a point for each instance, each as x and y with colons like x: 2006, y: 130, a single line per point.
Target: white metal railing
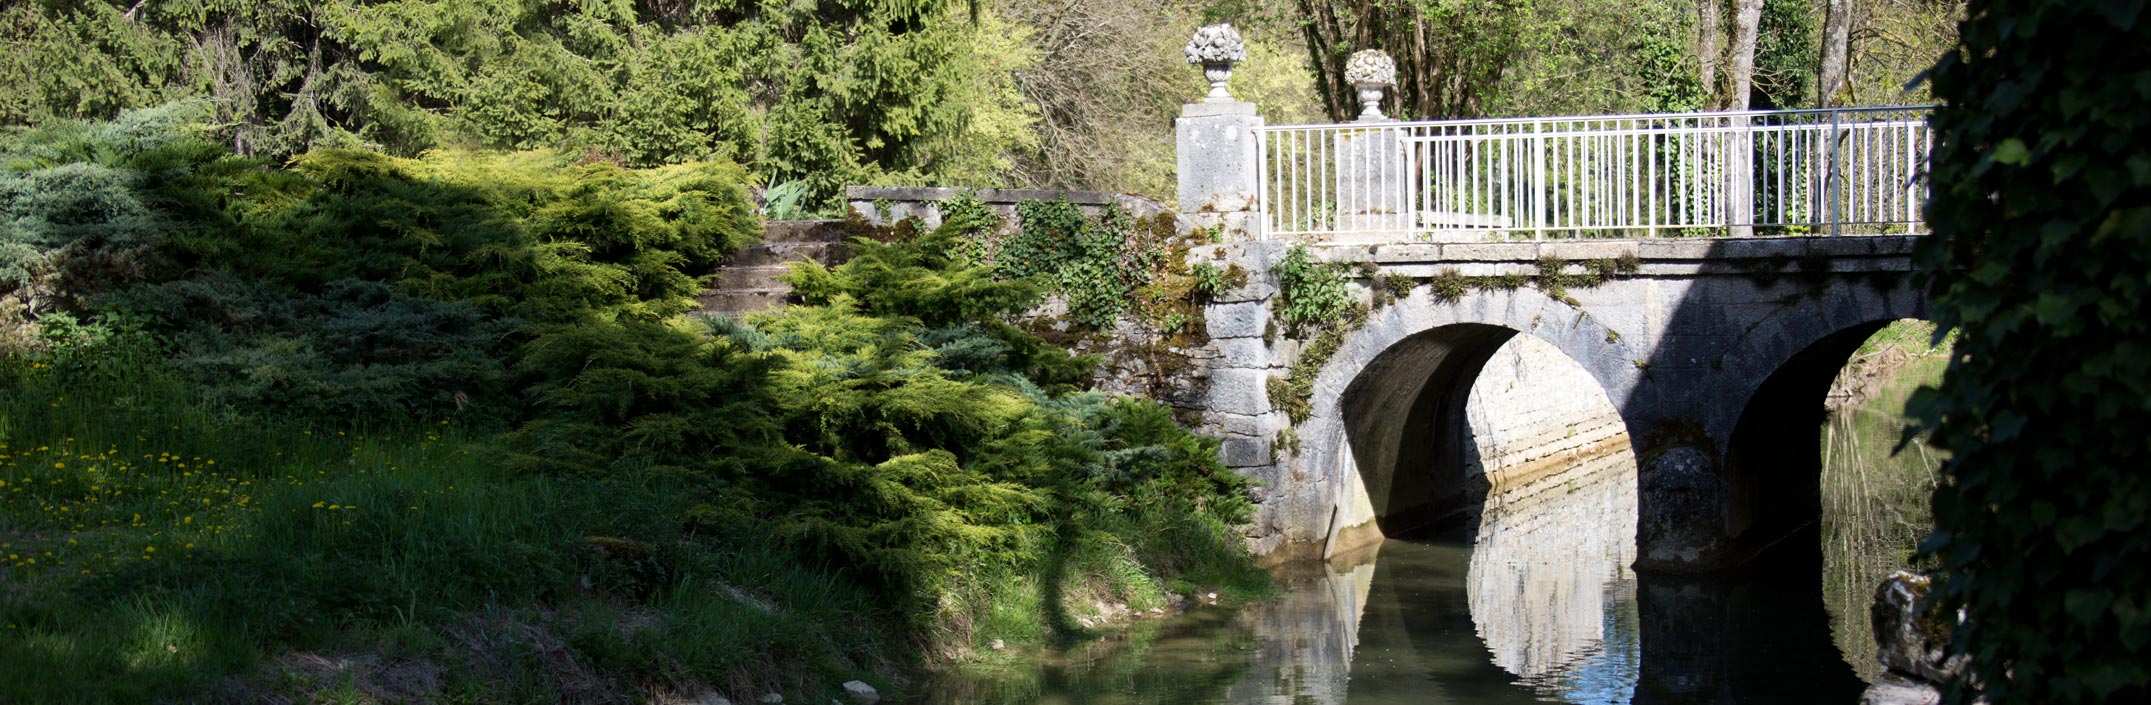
x: 1854, y: 170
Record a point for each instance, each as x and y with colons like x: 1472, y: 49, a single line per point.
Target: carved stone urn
x: 1216, y: 48
x: 1370, y: 71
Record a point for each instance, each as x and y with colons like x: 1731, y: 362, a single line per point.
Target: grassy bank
x: 158, y: 548
x: 364, y: 429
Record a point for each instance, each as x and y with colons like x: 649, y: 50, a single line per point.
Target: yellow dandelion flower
x: 58, y: 466
x: 317, y: 505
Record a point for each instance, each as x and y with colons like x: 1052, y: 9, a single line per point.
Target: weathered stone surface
x: 1243, y: 451
x: 1893, y: 689
x: 1909, y: 638
x: 1680, y: 522
x: 1584, y: 249
x: 1673, y: 249
x: 1237, y: 320
x: 1236, y: 391
x: 861, y: 693
x: 1491, y: 252
x: 1250, y: 353
x: 1217, y: 157
x: 1225, y: 424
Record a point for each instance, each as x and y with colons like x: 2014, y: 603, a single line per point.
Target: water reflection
x: 1550, y: 590
x: 1536, y: 605
x: 1874, y: 505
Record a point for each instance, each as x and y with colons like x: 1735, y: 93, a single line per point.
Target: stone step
x: 772, y: 254
x: 738, y: 301
x: 791, y: 231
x: 738, y: 278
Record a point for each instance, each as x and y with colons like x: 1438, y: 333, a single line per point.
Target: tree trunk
x: 1708, y: 53
x: 1831, y: 77
x: 1739, y: 166
x: 1747, y: 18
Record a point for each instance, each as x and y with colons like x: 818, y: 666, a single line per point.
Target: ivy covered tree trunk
x: 2042, y: 238
x: 1708, y: 53
x: 1747, y: 25
x: 1831, y: 79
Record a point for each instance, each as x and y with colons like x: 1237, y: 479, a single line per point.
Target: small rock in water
x: 861, y: 693
x: 1894, y: 689
x: 772, y: 699
x: 1909, y: 638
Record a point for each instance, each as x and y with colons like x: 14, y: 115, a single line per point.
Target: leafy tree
x: 1451, y: 56
x: 350, y: 284
x: 827, y: 93
x: 2042, y: 237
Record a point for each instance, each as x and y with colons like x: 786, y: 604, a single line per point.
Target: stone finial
x: 1216, y: 47
x: 1370, y: 71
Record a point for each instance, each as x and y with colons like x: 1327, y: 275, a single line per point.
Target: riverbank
x: 361, y: 428
x: 158, y: 548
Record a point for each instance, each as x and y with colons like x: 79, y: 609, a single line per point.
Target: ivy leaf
x: 2012, y: 152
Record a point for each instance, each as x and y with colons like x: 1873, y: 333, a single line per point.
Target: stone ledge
x: 989, y: 195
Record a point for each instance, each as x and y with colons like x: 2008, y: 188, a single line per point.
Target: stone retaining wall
x: 888, y: 205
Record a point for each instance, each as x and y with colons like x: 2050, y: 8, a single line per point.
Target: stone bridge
x: 1712, y: 348
x: 1716, y: 355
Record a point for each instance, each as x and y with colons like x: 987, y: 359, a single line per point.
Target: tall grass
x: 156, y: 547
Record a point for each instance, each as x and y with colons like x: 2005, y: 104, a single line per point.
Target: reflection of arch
x: 1393, y: 397
x: 1773, y: 450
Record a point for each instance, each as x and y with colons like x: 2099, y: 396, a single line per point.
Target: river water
x: 1537, y: 605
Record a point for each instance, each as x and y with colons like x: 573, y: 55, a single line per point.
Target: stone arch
x: 1406, y: 374
x: 1775, y: 403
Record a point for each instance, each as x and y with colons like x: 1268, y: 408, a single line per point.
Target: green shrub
x: 350, y: 285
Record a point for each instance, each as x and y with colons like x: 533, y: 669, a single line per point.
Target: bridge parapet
x: 1738, y: 174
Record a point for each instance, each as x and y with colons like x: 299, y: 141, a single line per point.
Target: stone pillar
x: 1218, y: 163
x: 1373, y: 197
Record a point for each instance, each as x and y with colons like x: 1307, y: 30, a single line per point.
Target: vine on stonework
x: 1318, y: 295
x: 1101, y: 267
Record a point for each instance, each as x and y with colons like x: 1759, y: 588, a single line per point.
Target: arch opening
x: 1405, y: 419
x: 1449, y: 421
x: 1499, y: 449
x: 1819, y: 467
